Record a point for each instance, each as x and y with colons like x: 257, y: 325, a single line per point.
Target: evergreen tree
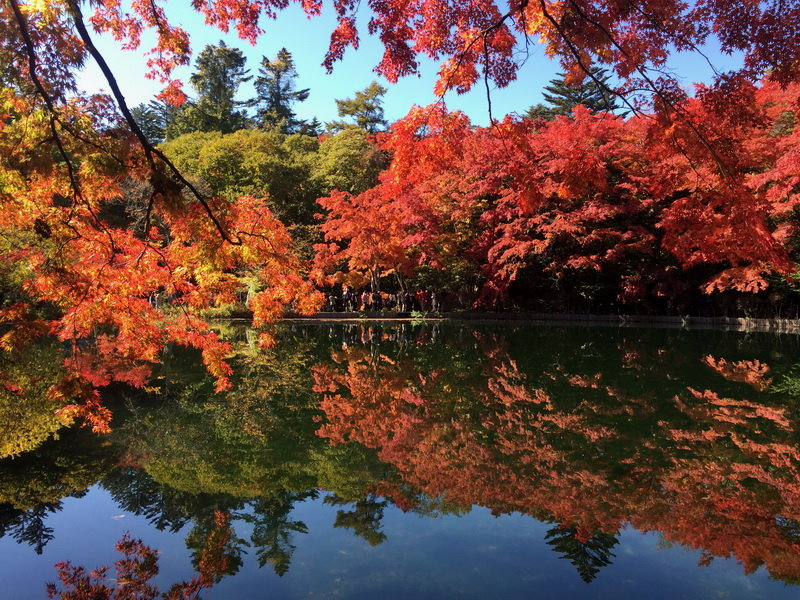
x: 276, y: 93
x: 366, y: 108
x: 155, y: 118
x: 588, y: 557
x: 539, y: 111
x: 311, y: 128
x: 594, y: 92
x: 220, y: 72
x: 273, y: 529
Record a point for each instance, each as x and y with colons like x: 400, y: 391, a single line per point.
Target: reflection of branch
x: 150, y: 151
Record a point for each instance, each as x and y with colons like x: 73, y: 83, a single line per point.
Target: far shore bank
x: 677, y: 322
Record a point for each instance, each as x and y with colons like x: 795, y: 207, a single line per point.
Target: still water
x: 381, y: 460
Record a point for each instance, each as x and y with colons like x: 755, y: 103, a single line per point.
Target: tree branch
x: 150, y: 151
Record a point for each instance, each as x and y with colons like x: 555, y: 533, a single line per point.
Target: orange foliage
x: 753, y: 372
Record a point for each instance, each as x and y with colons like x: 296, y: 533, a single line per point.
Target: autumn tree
x: 364, y: 240
x: 137, y: 567
x: 64, y: 156
x: 598, y: 202
x: 64, y: 159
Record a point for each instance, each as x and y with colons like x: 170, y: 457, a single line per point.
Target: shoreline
x: 665, y: 321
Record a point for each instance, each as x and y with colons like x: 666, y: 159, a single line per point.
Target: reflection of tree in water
x: 273, y: 529
x: 251, y: 453
x: 364, y: 518
x: 134, y: 572
x: 28, y: 526
x: 216, y: 551
x: 33, y: 485
x: 168, y: 508
x: 27, y: 409
x: 591, y: 429
x: 588, y: 553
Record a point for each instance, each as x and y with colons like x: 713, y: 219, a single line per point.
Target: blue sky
x: 307, y: 40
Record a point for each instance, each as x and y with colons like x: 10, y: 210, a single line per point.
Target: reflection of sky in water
x: 472, y: 556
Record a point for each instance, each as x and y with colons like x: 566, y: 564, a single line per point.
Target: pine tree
x: 366, y: 108
x: 311, y: 128
x: 594, y: 92
x: 588, y: 557
x: 276, y: 93
x: 155, y: 118
x: 220, y: 71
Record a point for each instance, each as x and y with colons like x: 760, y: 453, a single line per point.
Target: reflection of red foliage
x: 753, y: 372
x: 99, y: 370
x: 213, y: 561
x: 729, y: 483
x: 134, y: 572
x: 74, y: 387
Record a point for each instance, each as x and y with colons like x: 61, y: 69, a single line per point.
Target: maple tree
x: 630, y: 205
x: 138, y: 565
x: 66, y: 161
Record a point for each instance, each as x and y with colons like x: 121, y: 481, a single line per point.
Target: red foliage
x: 133, y: 574
x: 640, y: 198
x: 484, y: 35
x: 122, y: 293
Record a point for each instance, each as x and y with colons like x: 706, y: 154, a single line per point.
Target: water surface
x: 430, y: 461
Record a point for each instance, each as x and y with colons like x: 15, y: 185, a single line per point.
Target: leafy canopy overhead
x: 482, y: 38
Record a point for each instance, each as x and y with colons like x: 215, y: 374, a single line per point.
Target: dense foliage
x: 592, y: 206
x: 109, y: 242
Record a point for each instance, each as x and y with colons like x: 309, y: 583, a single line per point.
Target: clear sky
x: 307, y: 40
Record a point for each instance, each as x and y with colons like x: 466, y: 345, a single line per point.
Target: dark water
x: 427, y: 461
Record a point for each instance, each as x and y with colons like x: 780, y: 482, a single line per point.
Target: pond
x: 428, y: 460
